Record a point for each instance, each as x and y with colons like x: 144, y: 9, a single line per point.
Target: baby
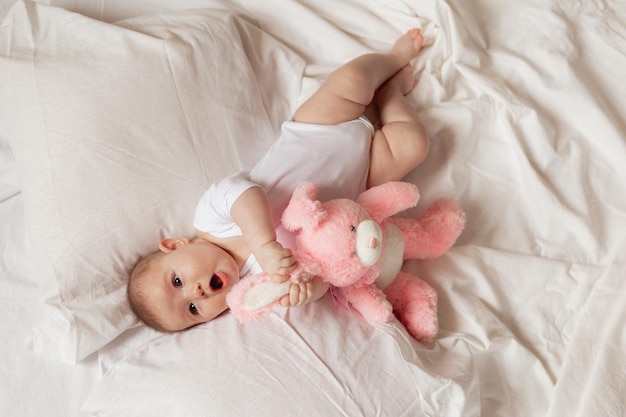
x: 328, y: 141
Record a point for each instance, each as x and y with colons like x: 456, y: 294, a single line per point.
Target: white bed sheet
x: 30, y: 385
x: 526, y: 106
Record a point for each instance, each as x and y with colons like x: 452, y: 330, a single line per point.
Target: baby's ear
x: 172, y: 243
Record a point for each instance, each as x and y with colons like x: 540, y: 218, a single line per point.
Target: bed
x: 116, y: 115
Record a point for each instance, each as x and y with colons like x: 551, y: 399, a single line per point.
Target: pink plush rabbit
x: 359, y: 248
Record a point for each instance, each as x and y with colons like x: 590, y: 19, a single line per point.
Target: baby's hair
x: 136, y: 294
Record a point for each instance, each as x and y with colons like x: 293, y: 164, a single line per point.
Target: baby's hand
x: 299, y: 294
x: 275, y: 260
x: 308, y: 289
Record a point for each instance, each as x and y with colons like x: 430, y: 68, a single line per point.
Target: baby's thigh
x: 325, y: 107
x: 396, y: 151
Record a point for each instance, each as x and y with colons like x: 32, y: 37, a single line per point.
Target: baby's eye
x: 177, y: 282
x: 352, y: 228
x: 193, y: 309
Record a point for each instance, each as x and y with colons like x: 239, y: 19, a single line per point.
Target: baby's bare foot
x: 408, y: 46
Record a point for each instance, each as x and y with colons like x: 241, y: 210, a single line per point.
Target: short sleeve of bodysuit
x: 213, y: 210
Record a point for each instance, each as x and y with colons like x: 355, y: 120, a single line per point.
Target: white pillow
x: 311, y: 361
x: 117, y: 129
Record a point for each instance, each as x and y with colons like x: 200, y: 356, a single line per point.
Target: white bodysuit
x: 336, y: 157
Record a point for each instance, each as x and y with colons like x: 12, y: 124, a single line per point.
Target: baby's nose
x: 196, y: 290
x: 200, y: 290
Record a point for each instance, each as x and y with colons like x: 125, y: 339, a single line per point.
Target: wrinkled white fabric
x: 525, y: 105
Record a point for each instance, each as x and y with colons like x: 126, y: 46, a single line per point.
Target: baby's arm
x: 252, y: 214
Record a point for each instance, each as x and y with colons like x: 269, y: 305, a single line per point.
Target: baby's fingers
x: 298, y: 294
x: 279, y: 278
x: 288, y: 263
x: 285, y: 267
x: 285, y: 253
x: 282, y: 274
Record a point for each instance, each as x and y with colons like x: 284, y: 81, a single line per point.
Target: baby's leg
x: 402, y: 142
x: 350, y: 88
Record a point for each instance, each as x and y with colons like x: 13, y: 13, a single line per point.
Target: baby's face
x: 188, y: 285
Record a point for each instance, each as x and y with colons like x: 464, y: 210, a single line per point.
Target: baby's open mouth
x: 216, y: 282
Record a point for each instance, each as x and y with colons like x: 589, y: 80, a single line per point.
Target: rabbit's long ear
x: 303, y: 211
x: 253, y: 298
x: 387, y: 199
